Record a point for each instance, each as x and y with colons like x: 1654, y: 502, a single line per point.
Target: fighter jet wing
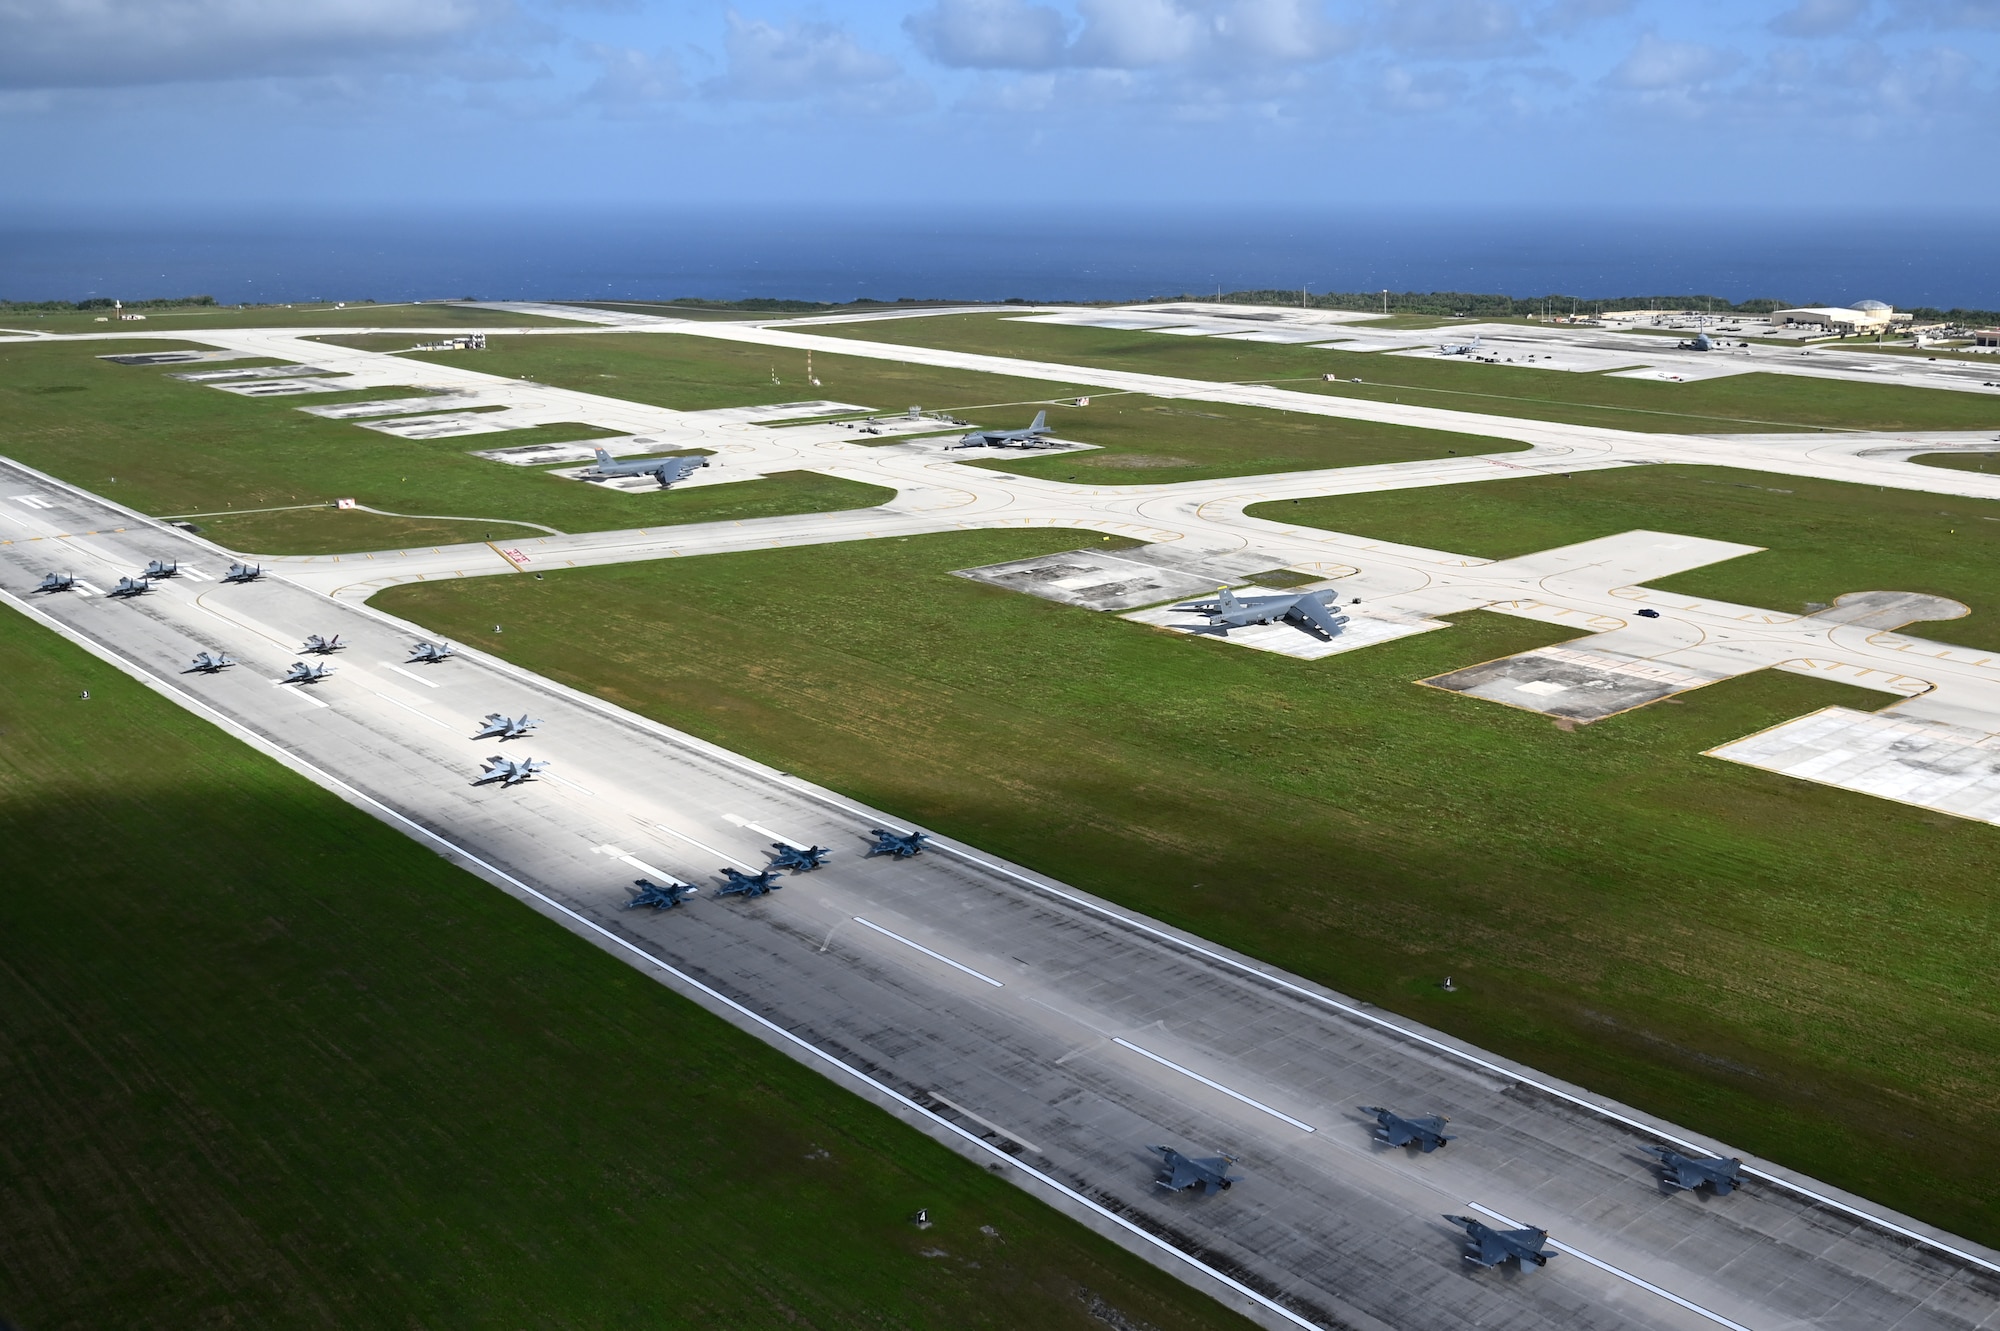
x: 1398, y: 1134
x: 1185, y: 1175
x: 1313, y: 613
x: 1492, y: 1251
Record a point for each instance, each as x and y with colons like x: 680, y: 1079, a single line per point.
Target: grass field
x: 1962, y: 461
x: 1747, y: 403
x: 167, y: 447
x: 1143, y: 440
x: 192, y: 319
x: 1802, y: 971
x: 270, y: 1064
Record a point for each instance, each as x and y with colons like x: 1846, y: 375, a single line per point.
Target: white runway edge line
x: 776, y: 1032
x: 1213, y: 1085
x: 934, y: 956
x: 1646, y: 1285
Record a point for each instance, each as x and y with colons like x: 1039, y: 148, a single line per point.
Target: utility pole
x: 1385, y: 300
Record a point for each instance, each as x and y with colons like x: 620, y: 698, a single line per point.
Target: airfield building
x: 1868, y: 316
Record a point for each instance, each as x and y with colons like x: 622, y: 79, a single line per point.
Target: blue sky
x: 1813, y: 105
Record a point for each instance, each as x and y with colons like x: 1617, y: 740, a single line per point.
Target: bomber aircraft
x: 160, y: 568
x: 1031, y: 437
x: 1722, y: 1173
x: 1181, y: 1173
x: 430, y: 652
x: 658, y: 897
x: 243, y: 573
x: 208, y: 663
x: 509, y: 771
x: 301, y: 673
x: 1313, y: 612
x: 1499, y: 1245
x: 797, y: 859
x: 664, y: 470
x: 507, y: 727
x: 57, y: 582
x: 1459, y: 348
x: 323, y: 646
x: 1425, y: 1132
x: 749, y: 884
x: 900, y: 844
x: 132, y: 587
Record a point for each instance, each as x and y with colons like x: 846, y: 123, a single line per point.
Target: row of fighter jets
x: 156, y: 571
x: 786, y: 856
x: 210, y: 663
x: 1490, y: 1247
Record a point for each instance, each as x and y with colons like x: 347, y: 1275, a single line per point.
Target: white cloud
x: 807, y: 60
x: 1818, y: 18
x: 1125, y: 34
x: 1453, y: 28
x: 990, y: 34
x: 1569, y: 16
x: 1657, y: 65
x: 101, y: 43
x: 632, y: 81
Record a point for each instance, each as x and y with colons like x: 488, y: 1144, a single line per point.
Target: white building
x: 1866, y: 316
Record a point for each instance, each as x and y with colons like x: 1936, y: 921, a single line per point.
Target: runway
x: 1043, y: 1032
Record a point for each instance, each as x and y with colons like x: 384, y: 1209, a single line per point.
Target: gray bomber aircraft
x: 301, y: 673
x: 664, y: 470
x: 1031, y: 437
x: 1722, y: 1173
x: 1313, y: 612
x: 431, y: 652
x: 796, y: 858
x: 1459, y: 348
x: 1425, y: 1132
x: 900, y: 844
x: 1494, y: 1246
x: 160, y: 568
x: 507, y: 727
x: 57, y: 582
x: 208, y: 663
x: 508, y: 771
x: 323, y: 646
x: 243, y: 573
x: 749, y: 884
x: 131, y: 587
x: 1180, y: 1173
x: 658, y: 897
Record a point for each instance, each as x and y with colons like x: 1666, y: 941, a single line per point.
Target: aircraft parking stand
x: 1046, y: 1033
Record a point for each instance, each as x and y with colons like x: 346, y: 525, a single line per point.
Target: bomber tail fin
x: 1041, y: 421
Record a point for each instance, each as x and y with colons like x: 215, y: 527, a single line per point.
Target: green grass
x: 163, y: 446
x: 193, y: 320
x: 1803, y: 971
x: 1961, y: 461
x: 1143, y: 440
x: 1821, y: 538
x: 1744, y: 403
x: 270, y: 1064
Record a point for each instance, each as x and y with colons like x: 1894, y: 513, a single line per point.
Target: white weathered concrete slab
x: 1952, y: 769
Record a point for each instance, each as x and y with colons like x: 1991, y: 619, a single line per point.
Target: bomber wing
x: 1313, y: 613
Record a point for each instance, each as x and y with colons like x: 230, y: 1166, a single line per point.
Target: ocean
x: 839, y: 253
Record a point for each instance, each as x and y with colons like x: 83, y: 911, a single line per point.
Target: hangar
x: 1867, y: 316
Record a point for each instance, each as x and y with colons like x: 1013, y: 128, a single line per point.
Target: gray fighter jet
x: 796, y: 859
x: 1181, y: 1173
x: 509, y: 771
x: 900, y: 844
x: 749, y: 884
x: 1313, y: 612
x: 1723, y: 1173
x: 664, y: 470
x: 243, y: 573
x: 323, y: 646
x: 1494, y: 1246
x: 507, y: 727
x: 1426, y: 1133
x: 301, y: 673
x: 57, y: 582
x: 208, y: 663
x: 160, y: 568
x: 131, y: 587
x: 431, y: 652
x: 659, y: 898
x: 1031, y: 437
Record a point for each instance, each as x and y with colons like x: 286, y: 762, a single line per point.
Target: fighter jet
x: 1426, y: 1133
x: 244, y: 573
x: 800, y: 861
x: 323, y: 646
x: 1181, y: 1173
x: 1499, y: 1245
x: 664, y: 470
x: 1031, y: 437
x: 1459, y: 348
x: 900, y: 844
x: 301, y: 673
x: 749, y: 884
x: 131, y: 587
x: 431, y: 652
x: 159, y: 568
x: 1723, y: 1173
x: 509, y: 771
x: 659, y: 898
x: 507, y: 727
x: 1313, y: 612
x: 208, y: 663
x: 57, y: 582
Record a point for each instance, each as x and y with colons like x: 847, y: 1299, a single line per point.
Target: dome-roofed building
x: 1873, y: 305
x: 1864, y: 316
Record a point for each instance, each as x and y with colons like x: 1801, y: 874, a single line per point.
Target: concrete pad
x: 178, y: 357
x: 1952, y: 769
x: 285, y: 387
x: 450, y: 425
x: 715, y: 473
x: 394, y: 406
x: 1573, y: 684
x: 1365, y: 628
x: 581, y: 450
x: 778, y: 411
x: 259, y: 372
x: 1093, y: 579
